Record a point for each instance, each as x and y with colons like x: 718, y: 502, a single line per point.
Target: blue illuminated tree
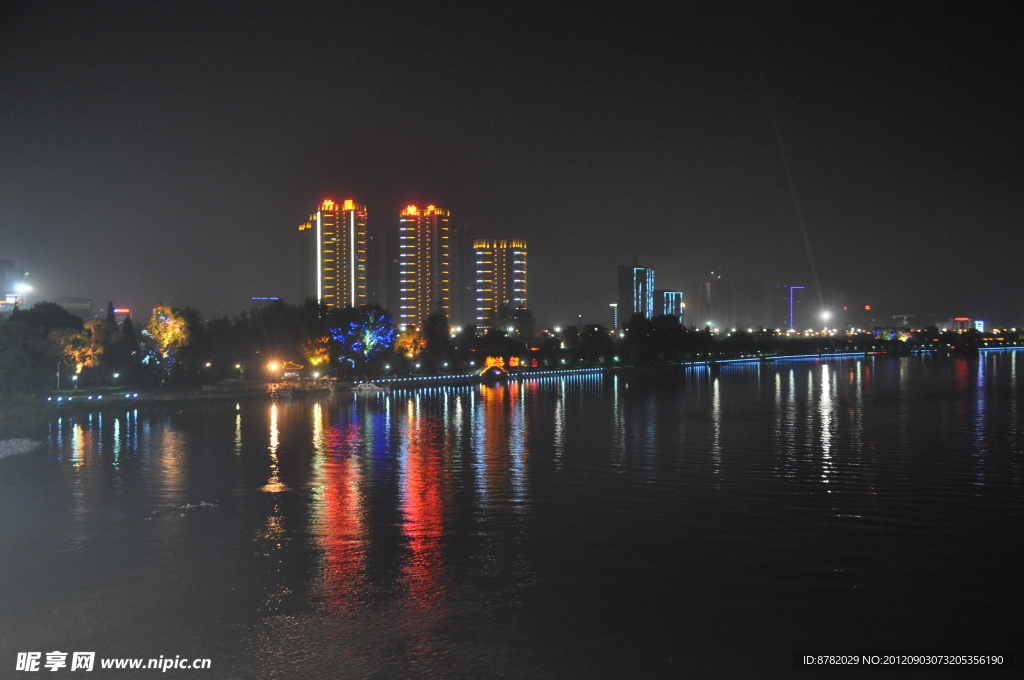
x: 361, y: 334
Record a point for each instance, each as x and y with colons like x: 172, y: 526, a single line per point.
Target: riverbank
x: 17, y: 411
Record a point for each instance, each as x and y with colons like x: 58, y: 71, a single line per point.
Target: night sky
x: 161, y: 151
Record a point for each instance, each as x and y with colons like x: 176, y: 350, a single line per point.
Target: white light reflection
x: 559, y: 439
x: 274, y: 481
x: 825, y: 407
x: 716, y: 421
x: 117, y: 442
x: 517, y: 447
x: 1014, y: 402
x: 980, y: 437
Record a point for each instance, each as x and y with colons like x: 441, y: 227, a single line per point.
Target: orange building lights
x: 500, y: 278
x: 425, y: 263
x: 335, y: 260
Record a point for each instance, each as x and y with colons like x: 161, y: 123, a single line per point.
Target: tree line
x: 45, y: 347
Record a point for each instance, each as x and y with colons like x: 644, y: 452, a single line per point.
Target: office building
x: 12, y: 286
x: 500, y: 278
x: 670, y: 303
x: 741, y: 303
x: 789, y: 312
x: 426, y: 260
x: 334, y: 254
x: 79, y: 306
x: 636, y: 292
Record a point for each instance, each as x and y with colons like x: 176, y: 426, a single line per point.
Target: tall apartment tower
x: 636, y: 292
x: 426, y: 261
x: 670, y: 303
x: 334, y: 256
x: 500, y: 278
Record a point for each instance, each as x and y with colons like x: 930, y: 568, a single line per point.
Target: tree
x: 22, y: 358
x: 167, y: 332
x: 368, y: 333
x: 80, y: 349
x: 410, y: 343
x: 438, y: 337
x: 317, y: 351
x: 595, y: 344
x: 516, y: 321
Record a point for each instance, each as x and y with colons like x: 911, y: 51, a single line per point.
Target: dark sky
x: 161, y: 151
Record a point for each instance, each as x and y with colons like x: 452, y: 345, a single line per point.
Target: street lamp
x: 116, y: 376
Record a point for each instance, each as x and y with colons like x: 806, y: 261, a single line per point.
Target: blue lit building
x: 670, y: 303
x: 636, y: 292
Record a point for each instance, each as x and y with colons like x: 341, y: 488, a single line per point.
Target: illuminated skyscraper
x: 670, y: 303
x: 636, y: 292
x: 425, y: 264
x: 334, y: 260
x: 500, y: 278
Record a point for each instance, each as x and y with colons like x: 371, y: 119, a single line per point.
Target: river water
x: 687, y: 523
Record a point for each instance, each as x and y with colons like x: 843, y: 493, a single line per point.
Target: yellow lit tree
x: 80, y: 349
x: 317, y: 351
x: 410, y: 343
x: 167, y: 331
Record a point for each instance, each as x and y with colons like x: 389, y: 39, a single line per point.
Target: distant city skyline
x: 166, y: 153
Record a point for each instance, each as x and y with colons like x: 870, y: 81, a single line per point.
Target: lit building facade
x: 789, y: 308
x: 334, y: 260
x: 500, y: 278
x: 670, y: 303
x: 636, y: 292
x: 426, y: 260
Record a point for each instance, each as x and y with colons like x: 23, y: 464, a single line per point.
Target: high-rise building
x: 7, y: 277
x: 789, y: 311
x: 500, y: 278
x: 670, y: 303
x: 463, y: 305
x: 12, y: 286
x: 425, y: 264
x: 636, y: 292
x: 334, y: 259
x: 734, y: 302
x: 79, y: 306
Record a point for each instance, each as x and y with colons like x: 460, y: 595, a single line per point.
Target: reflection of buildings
x: 342, y: 517
x: 422, y: 479
x: 334, y: 255
x: 426, y: 264
x: 500, y: 278
x: 636, y: 292
x: 502, y: 456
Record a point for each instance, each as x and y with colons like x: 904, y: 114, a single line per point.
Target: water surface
x: 698, y: 523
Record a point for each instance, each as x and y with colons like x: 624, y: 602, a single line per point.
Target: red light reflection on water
x: 422, y: 501
x: 343, y: 531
